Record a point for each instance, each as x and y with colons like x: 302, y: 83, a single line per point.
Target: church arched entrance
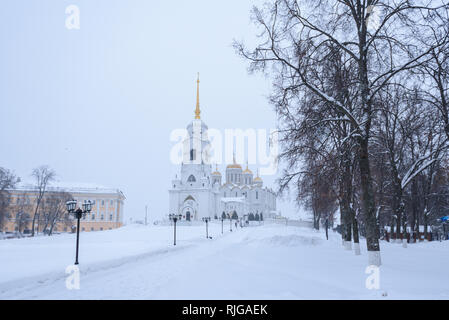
x: 189, y: 209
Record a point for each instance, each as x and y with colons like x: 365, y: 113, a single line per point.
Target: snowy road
x: 267, y: 262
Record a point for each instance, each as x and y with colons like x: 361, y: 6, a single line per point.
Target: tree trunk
x: 368, y: 206
x: 355, y: 229
x: 346, y: 225
x: 414, y: 227
x: 425, y: 225
x: 404, y: 230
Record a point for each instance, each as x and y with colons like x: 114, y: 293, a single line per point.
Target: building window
x: 257, y: 195
x: 102, y: 217
x: 93, y: 217
x: 112, y: 202
x: 110, y: 217
x: 191, y: 178
x: 192, y: 154
x: 102, y: 202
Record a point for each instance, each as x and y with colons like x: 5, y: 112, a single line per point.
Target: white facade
x: 198, y: 192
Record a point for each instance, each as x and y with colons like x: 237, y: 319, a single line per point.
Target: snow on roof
x: 233, y: 199
x: 71, y: 188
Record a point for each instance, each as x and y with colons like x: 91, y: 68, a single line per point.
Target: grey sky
x: 98, y: 104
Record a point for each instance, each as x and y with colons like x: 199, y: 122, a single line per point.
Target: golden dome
x: 247, y: 170
x: 216, y: 171
x: 234, y: 165
x: 257, y: 179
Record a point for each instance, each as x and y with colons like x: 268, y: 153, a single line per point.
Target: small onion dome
x: 216, y: 173
x: 234, y: 165
x: 247, y: 171
x: 257, y: 179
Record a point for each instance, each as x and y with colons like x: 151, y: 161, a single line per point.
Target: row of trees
x: 361, y: 91
x: 39, y: 207
x: 251, y: 216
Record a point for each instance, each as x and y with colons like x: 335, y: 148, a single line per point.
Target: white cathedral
x: 199, y: 192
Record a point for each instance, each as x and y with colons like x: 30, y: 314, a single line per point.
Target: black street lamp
x: 222, y: 224
x: 230, y: 222
x: 174, y: 218
x: 78, y: 213
x: 207, y: 219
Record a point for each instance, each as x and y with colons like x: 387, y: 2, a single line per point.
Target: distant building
x: 199, y: 192
x: 107, y: 209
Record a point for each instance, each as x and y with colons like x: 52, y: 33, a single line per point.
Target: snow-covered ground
x: 263, y: 262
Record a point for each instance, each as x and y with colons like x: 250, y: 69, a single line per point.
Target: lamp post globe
x: 71, y: 204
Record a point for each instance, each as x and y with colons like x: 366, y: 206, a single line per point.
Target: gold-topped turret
x: 257, y: 179
x: 247, y: 170
x: 216, y: 172
x: 197, y: 110
x: 234, y: 165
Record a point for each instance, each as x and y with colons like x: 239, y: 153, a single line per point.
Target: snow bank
x: 266, y: 262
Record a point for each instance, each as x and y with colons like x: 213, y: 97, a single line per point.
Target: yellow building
x: 107, y: 209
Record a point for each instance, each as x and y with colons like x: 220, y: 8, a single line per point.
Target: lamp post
x: 222, y: 224
x: 230, y: 222
x: 174, y: 218
x: 207, y: 219
x: 78, y: 213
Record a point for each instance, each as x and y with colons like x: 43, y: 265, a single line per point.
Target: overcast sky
x: 98, y: 104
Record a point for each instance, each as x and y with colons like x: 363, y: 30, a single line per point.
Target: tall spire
x: 197, y: 110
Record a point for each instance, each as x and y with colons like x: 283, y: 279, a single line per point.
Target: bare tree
x: 294, y: 38
x: 23, y: 209
x: 54, y: 210
x: 8, y: 180
x: 43, y: 175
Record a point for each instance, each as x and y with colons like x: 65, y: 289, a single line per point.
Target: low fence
x: 290, y: 222
x: 431, y: 236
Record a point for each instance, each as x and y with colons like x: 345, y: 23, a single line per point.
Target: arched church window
x: 191, y: 178
x: 192, y: 154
